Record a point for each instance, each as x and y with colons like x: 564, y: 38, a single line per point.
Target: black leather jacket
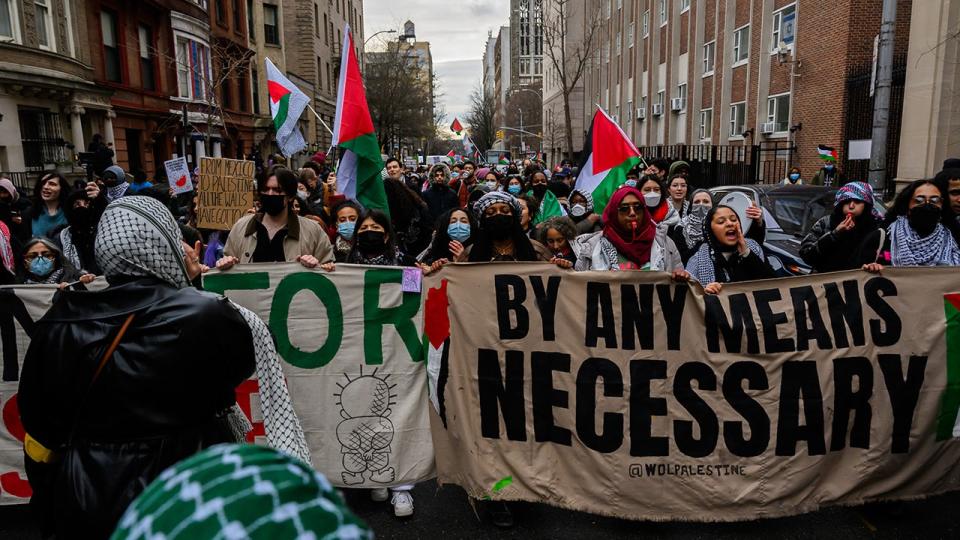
x: 156, y: 401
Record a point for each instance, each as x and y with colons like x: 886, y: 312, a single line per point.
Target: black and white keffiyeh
x: 139, y: 237
x: 493, y: 198
x: 692, y: 224
x: 908, y: 249
x: 69, y: 249
x: 703, y: 265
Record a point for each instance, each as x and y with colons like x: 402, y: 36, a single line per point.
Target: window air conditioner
x: 676, y: 104
x: 656, y: 109
x: 768, y: 127
x: 641, y: 113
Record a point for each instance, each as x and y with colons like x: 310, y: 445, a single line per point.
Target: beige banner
x: 627, y: 395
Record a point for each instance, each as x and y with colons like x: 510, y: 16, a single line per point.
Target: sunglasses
x: 934, y: 200
x: 626, y: 208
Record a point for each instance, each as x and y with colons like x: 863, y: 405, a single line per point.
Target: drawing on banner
x: 365, y: 433
x: 11, y: 307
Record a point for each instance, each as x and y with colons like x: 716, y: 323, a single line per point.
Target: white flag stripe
x: 347, y: 175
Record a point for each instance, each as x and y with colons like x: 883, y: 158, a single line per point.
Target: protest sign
x: 627, y: 395
x: 225, y: 192
x: 178, y: 175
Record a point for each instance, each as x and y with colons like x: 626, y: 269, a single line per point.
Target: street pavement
x: 445, y: 514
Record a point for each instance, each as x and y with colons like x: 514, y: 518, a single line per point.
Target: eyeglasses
x: 934, y: 200
x: 33, y: 256
x: 626, y: 208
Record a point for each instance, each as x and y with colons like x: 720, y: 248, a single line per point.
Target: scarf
x: 384, y: 259
x: 495, y: 197
x: 693, y: 225
x: 139, y: 237
x: 70, y: 252
x: 708, y: 264
x: 908, y: 249
x: 635, y: 245
x: 117, y: 191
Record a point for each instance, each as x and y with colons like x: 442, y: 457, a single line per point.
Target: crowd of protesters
x: 145, y: 241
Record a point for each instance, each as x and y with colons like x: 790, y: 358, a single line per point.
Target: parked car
x: 789, y: 212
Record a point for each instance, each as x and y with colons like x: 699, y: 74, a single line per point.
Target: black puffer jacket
x: 159, y: 399
x: 826, y: 250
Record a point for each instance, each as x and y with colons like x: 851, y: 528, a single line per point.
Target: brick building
x: 231, y: 57
x: 777, y: 76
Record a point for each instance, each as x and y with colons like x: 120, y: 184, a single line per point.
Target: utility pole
x: 881, y: 98
x: 520, y: 110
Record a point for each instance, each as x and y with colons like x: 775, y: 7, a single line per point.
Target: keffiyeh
x: 587, y: 196
x: 856, y: 191
x: 707, y: 265
x: 908, y: 249
x: 493, y: 198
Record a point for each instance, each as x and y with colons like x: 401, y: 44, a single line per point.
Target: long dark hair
x: 381, y: 219
x: 65, y: 190
x: 405, y: 204
x: 483, y: 244
x: 901, y: 205
x: 440, y: 247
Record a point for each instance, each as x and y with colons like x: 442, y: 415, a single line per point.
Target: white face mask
x: 492, y: 185
x: 578, y: 210
x: 651, y: 198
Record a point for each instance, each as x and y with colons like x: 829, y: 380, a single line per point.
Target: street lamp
x: 377, y: 34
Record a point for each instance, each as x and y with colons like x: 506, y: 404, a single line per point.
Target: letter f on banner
x: 947, y: 425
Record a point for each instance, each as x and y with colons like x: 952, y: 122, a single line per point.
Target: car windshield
x: 796, y: 212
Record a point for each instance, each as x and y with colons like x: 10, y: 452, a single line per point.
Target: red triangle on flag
x: 611, y: 147
x: 277, y: 91
x: 354, y: 114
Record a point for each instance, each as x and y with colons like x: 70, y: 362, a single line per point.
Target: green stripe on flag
x: 950, y: 403
x: 282, y: 107
x: 370, y: 191
x: 614, y: 179
x: 549, y: 207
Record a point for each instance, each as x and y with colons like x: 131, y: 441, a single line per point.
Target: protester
x: 726, y: 256
x: 581, y: 212
x: 529, y: 206
x: 394, y: 169
x: 501, y: 237
x: 657, y: 168
x: 276, y: 235
x: 679, y: 168
x: 630, y: 239
x: 440, y: 198
x: 115, y: 181
x: 130, y: 397
x: 687, y: 235
x: 558, y: 234
x: 660, y: 209
x: 514, y: 185
x: 828, y: 175
x: 490, y: 178
x: 49, y: 200
x: 44, y: 263
x: 916, y: 234
x: 793, y: 177
x: 346, y: 215
x: 375, y: 243
x: 271, y: 495
x: 410, y: 216
x: 836, y: 241
x: 678, y: 192
x: 948, y: 180
x: 102, y: 154
x: 140, y: 182
x: 454, y: 232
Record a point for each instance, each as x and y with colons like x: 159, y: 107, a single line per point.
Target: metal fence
x: 722, y: 165
x: 22, y: 180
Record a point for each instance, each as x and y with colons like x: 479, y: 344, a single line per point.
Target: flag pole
x: 330, y: 131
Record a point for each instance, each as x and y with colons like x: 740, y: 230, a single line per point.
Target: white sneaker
x: 379, y: 494
x: 402, y: 503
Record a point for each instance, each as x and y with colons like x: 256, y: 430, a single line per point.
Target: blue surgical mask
x: 794, y: 176
x: 345, y: 229
x: 41, y: 267
x: 828, y: 167
x: 459, y: 231
x: 455, y: 175
x: 514, y: 189
x: 631, y: 183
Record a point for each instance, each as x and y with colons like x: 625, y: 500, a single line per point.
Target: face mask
x: 41, y: 267
x: 578, y: 210
x: 539, y: 190
x: 652, y: 199
x: 924, y: 219
x: 828, y: 167
x: 631, y: 183
x: 345, y: 230
x: 699, y: 210
x: 459, y: 231
x: 794, y: 177
x: 492, y: 186
x: 499, y: 226
x: 514, y: 189
x: 455, y: 175
x: 273, y: 205
x: 302, y: 195
x: 372, y: 242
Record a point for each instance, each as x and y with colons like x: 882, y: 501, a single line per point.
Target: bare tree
x: 480, y: 118
x: 569, y: 57
x: 401, y: 102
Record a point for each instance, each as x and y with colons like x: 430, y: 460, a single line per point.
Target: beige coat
x: 304, y: 237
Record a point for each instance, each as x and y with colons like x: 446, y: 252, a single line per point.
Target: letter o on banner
x: 326, y: 292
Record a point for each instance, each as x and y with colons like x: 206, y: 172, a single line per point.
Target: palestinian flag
x: 287, y: 104
x: 451, y: 155
x: 468, y: 147
x: 608, y: 156
x: 827, y: 153
x: 456, y: 127
x: 504, y: 160
x: 549, y: 207
x: 360, y: 163
x: 948, y: 421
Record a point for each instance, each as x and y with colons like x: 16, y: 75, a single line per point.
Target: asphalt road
x: 444, y: 514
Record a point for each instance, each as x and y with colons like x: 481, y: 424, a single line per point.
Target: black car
x: 788, y: 212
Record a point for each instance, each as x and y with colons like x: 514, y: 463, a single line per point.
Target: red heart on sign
x: 182, y: 181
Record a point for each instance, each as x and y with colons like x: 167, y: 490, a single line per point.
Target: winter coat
x: 828, y: 251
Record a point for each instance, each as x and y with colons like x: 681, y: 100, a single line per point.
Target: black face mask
x: 539, y: 190
x: 273, y: 205
x: 924, y: 219
x: 5, y: 209
x: 499, y: 226
x: 372, y: 242
x: 79, y: 217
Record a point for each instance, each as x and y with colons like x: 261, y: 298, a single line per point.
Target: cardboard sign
x: 178, y: 174
x: 226, y: 192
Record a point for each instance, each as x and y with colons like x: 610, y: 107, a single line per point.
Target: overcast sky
x: 457, y: 32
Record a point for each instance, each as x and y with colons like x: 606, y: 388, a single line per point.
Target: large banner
x: 351, y: 349
x: 627, y: 395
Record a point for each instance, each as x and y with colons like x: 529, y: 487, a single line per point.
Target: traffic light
x: 500, y: 134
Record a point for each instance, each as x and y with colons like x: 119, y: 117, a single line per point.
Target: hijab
x: 636, y: 244
x: 709, y: 264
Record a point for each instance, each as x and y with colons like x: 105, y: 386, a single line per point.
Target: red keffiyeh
x: 634, y: 244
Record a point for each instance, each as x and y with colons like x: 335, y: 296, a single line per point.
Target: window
x: 316, y: 20
x: 147, y: 73
x: 255, y: 85
x: 237, y: 16
x: 606, y: 8
x: 643, y: 102
x: 646, y: 23
x: 244, y: 90
x: 111, y: 49
x: 682, y: 95
x: 41, y: 137
x: 45, y: 36
x: 226, y: 84
x: 738, y: 112
x: 631, y: 35
x: 271, y: 22
x: 660, y: 96
x: 619, y: 43
x: 251, y: 35
x: 706, y: 124
x: 741, y: 44
x: 784, y: 27
x: 684, y: 5
x: 68, y: 23
x: 221, y: 11
x: 778, y: 112
x: 193, y: 68
x: 663, y: 12
x: 326, y: 31
x: 9, y: 21
x: 709, y: 56
x: 538, y: 65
